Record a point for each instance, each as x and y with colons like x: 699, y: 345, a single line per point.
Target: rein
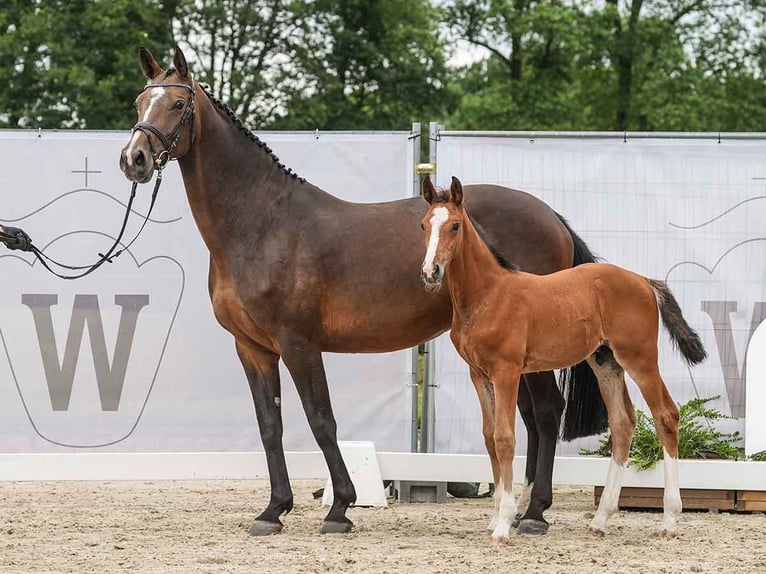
x: 160, y: 159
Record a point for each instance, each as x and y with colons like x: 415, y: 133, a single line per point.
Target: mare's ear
x: 179, y: 61
x: 429, y: 192
x: 456, y: 191
x: 149, y: 65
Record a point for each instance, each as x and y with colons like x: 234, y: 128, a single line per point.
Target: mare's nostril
x: 139, y: 158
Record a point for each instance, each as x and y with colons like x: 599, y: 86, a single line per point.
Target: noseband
x: 169, y: 142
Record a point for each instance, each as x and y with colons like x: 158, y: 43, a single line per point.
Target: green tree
x: 74, y: 63
x: 368, y: 64
x: 246, y: 51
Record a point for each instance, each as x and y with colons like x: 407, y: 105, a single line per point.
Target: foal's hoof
x: 500, y: 540
x: 516, y: 521
x: 597, y: 532
x: 532, y: 526
x: 668, y: 534
x: 332, y: 527
x: 265, y: 528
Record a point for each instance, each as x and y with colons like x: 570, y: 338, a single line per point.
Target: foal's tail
x: 585, y: 412
x: 683, y: 336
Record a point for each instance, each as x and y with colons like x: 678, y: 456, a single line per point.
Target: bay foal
x: 506, y: 323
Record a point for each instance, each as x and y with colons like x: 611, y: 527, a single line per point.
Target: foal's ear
x: 179, y: 61
x: 149, y: 65
x: 429, y: 192
x: 456, y: 191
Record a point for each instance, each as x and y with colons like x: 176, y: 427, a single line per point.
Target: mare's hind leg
x: 622, y: 423
x: 305, y: 365
x: 541, y: 406
x: 262, y: 370
x: 665, y: 413
x: 486, y: 395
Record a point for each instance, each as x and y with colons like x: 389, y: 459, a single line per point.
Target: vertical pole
x: 415, y: 139
x: 427, y: 441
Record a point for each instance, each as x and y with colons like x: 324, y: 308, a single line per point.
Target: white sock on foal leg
x: 506, y: 514
x: 496, y: 496
x: 609, y: 497
x: 671, y: 499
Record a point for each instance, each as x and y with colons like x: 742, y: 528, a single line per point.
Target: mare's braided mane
x: 248, y: 133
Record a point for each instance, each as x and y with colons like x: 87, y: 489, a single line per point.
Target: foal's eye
x: 180, y: 104
x: 455, y: 226
x: 423, y: 227
x: 135, y: 105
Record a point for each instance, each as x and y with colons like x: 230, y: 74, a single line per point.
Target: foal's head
x: 165, y: 127
x: 443, y: 224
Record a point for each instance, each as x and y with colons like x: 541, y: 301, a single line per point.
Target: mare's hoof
x: 533, y: 527
x: 265, y: 528
x: 331, y: 527
x: 668, y: 535
x: 597, y: 532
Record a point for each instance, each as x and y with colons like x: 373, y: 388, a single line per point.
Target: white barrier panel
x: 130, y: 358
x: 689, y: 211
x: 755, y: 421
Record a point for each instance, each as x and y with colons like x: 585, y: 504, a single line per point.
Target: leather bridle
x: 170, y: 141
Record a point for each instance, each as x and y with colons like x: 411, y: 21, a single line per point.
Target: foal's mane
x: 443, y: 196
x: 229, y: 113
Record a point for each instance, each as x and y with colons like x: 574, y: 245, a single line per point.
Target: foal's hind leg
x: 665, y: 414
x: 540, y: 394
x: 262, y: 370
x: 622, y: 423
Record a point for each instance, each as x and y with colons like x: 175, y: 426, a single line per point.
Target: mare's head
x: 165, y: 128
x: 443, y: 224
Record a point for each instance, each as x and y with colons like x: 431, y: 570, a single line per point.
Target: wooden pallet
x: 692, y: 498
x: 751, y: 500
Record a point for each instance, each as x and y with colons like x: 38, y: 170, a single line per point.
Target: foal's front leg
x: 506, y: 385
x: 486, y: 394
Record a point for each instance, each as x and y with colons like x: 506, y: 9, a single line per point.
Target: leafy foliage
x: 696, y: 437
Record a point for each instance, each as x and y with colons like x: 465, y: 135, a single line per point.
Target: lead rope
x: 112, y: 253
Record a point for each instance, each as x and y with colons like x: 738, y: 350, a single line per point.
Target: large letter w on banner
x: 60, y: 375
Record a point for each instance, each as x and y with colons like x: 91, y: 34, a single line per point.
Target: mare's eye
x: 455, y: 226
x: 135, y: 105
x: 180, y: 104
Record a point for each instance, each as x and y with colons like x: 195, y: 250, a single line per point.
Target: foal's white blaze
x: 154, y: 98
x: 671, y: 500
x: 609, y: 497
x: 438, y: 218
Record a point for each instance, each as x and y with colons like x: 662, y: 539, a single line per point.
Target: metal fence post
x: 415, y: 137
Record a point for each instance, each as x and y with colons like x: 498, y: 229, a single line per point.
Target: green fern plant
x: 696, y: 439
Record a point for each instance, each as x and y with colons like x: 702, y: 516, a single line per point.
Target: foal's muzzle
x: 433, y: 279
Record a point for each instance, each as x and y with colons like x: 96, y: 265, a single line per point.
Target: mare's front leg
x: 262, y: 370
x: 506, y: 385
x: 304, y: 362
x: 541, y: 406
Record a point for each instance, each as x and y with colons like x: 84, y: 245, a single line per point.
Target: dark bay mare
x: 295, y: 271
x: 506, y: 322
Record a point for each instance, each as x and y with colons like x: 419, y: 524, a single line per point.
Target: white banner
x: 131, y: 358
x: 688, y: 211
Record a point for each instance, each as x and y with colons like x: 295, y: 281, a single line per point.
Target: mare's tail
x: 585, y: 412
x: 685, y: 339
